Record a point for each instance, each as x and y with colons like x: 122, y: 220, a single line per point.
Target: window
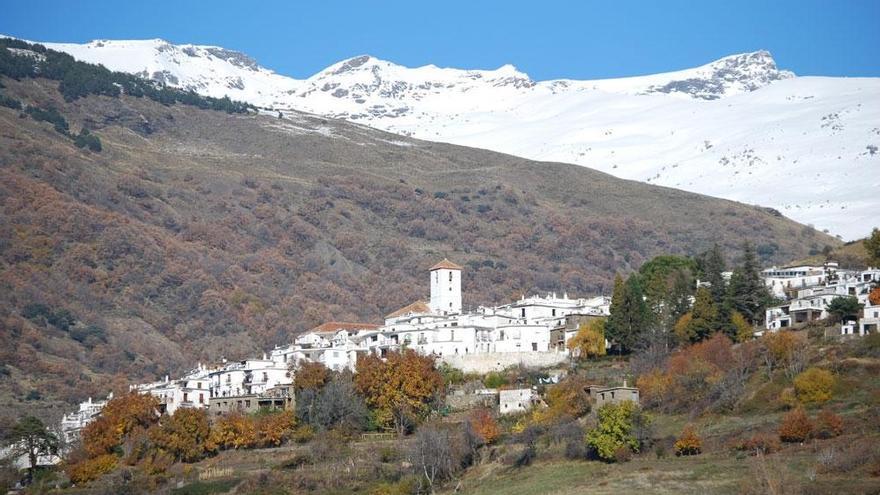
x: 523, y: 312
x: 185, y: 396
x: 450, y: 276
x: 553, y: 312
x: 534, y: 346
x: 201, y: 398
x: 452, y: 336
x: 265, y: 377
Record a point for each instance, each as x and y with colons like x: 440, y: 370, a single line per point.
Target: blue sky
x: 546, y: 39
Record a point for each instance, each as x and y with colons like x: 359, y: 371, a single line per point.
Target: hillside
x: 196, y: 234
x: 738, y: 127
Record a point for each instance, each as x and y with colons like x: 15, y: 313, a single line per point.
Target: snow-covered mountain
x: 737, y: 128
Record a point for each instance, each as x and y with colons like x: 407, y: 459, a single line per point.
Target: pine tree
x: 872, y: 246
x: 713, y: 266
x: 748, y: 294
x: 700, y: 322
x: 629, y: 316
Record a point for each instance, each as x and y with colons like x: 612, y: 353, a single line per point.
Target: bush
x: 828, y: 424
x: 575, y: 449
x: 796, y: 426
x: 50, y: 115
x: 9, y: 102
x: 525, y: 456
x: 614, y: 431
x: 297, y: 461
x: 814, y: 386
x: 623, y: 454
x: 689, y: 443
x: 494, y: 379
x: 484, y: 425
x: 302, y: 434
x: 759, y: 443
x: 85, y: 139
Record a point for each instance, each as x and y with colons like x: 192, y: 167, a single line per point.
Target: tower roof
x: 448, y: 265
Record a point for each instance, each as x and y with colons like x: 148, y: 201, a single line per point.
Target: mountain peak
x: 740, y: 73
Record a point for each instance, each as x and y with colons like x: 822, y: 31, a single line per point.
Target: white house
x: 73, y: 423
x: 516, y: 400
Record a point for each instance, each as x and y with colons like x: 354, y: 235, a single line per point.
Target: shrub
x: 654, y: 387
x: 615, y: 430
x: 796, y: 426
x: 689, y: 443
x: 91, y: 469
x: 568, y: 398
x: 623, y: 454
x: 50, y: 115
x: 298, y: 460
x: 828, y: 424
x: 9, y: 102
x: 814, y: 386
x: 525, y: 456
x: 759, y: 443
x: 494, y: 379
x: 302, y: 434
x: 575, y: 449
x: 85, y: 139
x: 484, y: 425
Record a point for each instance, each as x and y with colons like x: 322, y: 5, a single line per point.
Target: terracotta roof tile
x: 335, y: 326
x: 445, y: 264
x: 417, y: 307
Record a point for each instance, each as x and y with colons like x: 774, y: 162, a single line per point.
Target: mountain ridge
x: 738, y: 128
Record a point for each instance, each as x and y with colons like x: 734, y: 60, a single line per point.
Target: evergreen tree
x: 629, y: 316
x: 712, y: 266
x: 700, y: 323
x: 872, y: 246
x: 748, y: 294
x: 29, y: 437
x: 844, y: 308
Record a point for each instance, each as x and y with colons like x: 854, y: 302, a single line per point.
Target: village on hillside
x: 534, y: 332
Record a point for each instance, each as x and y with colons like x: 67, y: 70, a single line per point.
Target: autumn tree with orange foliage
x: 399, y: 389
x: 102, y: 438
x: 796, y: 426
x: 784, y: 349
x: 119, y: 417
x: 183, y: 435
x: 91, y: 469
x: 874, y: 296
x: 711, y: 373
x: 308, y: 379
x: 274, y: 428
x: 310, y: 376
x: 234, y: 431
x: 483, y: 423
x: 689, y: 443
x: 828, y: 424
x: 566, y: 399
